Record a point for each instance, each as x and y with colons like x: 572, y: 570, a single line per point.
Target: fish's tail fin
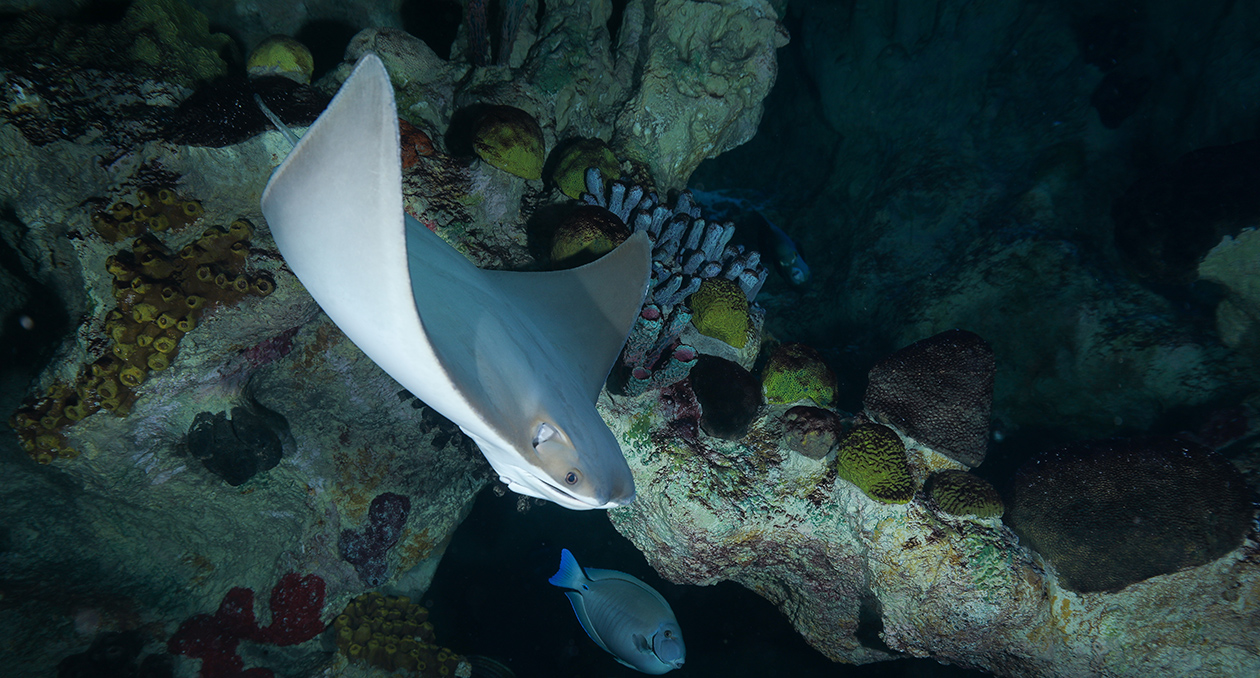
x: 570, y: 574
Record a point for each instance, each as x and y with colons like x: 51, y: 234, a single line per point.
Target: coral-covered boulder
x: 811, y: 431
x: 938, y: 391
x: 1108, y: 513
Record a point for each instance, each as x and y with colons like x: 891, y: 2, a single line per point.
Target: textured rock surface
x: 1235, y: 264
x: 864, y: 581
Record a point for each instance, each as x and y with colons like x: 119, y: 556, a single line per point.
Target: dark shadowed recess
x: 490, y: 596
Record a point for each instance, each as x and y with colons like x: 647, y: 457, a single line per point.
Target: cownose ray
x: 516, y: 359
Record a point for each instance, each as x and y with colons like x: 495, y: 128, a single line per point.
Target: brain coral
x: 873, y: 457
x: 961, y: 494
x: 938, y: 391
x: 797, y: 372
x: 1108, y: 513
x: 721, y: 311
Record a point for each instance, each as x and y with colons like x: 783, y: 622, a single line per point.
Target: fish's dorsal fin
x: 596, y: 574
x: 586, y: 312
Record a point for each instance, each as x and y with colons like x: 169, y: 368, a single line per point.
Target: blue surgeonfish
x: 626, y: 617
x: 787, y: 258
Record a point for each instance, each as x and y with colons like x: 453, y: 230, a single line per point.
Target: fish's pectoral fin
x: 641, y: 643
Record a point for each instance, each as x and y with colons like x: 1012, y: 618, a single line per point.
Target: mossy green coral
x: 576, y: 158
x: 796, y: 372
x: 873, y: 457
x: 511, y: 140
x: 283, y: 56
x: 721, y: 311
x: 962, y: 494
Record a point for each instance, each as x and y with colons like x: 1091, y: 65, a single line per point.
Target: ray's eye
x: 572, y: 477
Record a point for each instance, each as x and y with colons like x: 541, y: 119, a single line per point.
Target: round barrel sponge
x: 1109, y: 513
x: 962, y: 494
x: 873, y: 457
x: 796, y: 372
x: 938, y: 391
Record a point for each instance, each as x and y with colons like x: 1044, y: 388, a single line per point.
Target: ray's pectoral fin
x: 586, y: 312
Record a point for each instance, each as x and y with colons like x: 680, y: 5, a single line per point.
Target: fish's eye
x: 572, y: 477
x: 669, y: 634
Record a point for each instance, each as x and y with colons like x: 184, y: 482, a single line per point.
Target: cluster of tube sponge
x: 686, y: 251
x: 160, y: 297
x: 392, y: 633
x: 159, y: 210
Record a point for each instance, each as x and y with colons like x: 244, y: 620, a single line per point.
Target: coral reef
x: 587, y: 233
x: 161, y: 296
x: 509, y: 139
x: 873, y: 457
x: 938, y: 391
x: 283, y: 56
x: 575, y: 158
x: 796, y: 372
x: 392, y: 633
x: 1109, y: 513
x: 811, y: 431
x: 686, y: 251
x: 962, y: 494
x: 720, y: 310
x: 239, y: 443
x: 296, y: 602
x: 368, y: 549
x: 729, y: 397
